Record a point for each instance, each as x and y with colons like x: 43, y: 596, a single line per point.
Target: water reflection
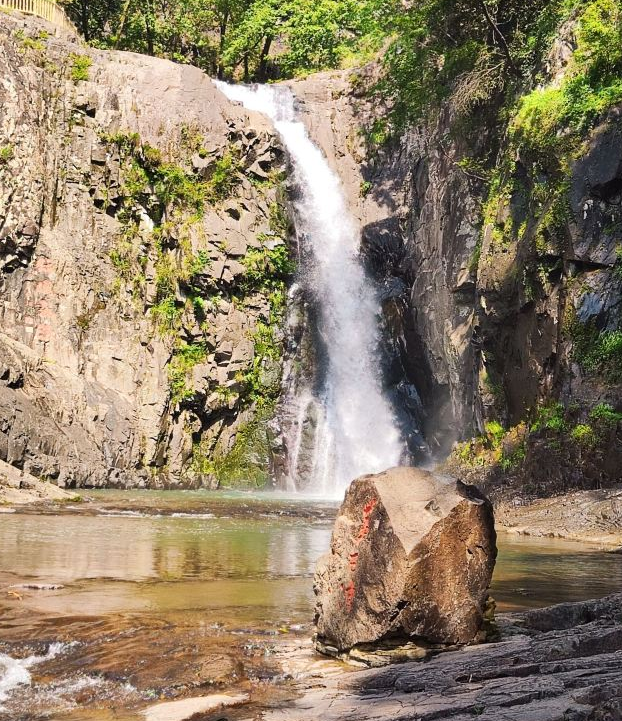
x: 260, y: 566
x: 72, y: 548
x: 534, y: 572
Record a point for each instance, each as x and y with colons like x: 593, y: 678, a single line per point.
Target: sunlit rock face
x: 411, y: 557
x: 103, y: 281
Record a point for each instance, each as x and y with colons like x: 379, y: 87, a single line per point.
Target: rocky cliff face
x: 142, y: 257
x: 420, y: 227
x: 502, y: 287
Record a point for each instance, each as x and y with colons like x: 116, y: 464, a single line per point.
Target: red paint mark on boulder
x: 367, y: 511
x: 348, y: 592
x: 353, y: 559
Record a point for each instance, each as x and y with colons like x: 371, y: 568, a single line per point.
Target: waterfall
x: 353, y: 430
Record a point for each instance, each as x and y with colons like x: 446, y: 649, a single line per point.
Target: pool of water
x: 150, y: 594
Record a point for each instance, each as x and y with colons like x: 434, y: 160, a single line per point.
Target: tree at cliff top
x: 467, y: 50
x: 251, y: 39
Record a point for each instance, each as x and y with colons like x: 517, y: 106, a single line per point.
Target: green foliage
x: 196, y: 264
x: 127, y: 143
x: 475, y: 258
x: 366, y: 188
x: 7, y: 153
x: 167, y: 315
x: 248, y: 461
x: 444, y: 49
x: 514, y: 459
x: 259, y: 384
x: 267, y: 268
x: 121, y: 258
x: 552, y: 120
x: 174, y: 188
x: 178, y: 190
x: 596, y: 352
x: 33, y: 44
x: 605, y: 414
x: 80, y: 65
x: 174, y: 200
x: 310, y: 35
x: 256, y: 39
x: 495, y: 433
x: 584, y: 435
x: 185, y: 357
x: 550, y: 418
x: 225, y: 176
x: 378, y: 133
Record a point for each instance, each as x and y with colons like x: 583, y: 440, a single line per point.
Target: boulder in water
x: 411, y: 558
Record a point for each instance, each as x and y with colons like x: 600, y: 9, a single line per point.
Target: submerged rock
x: 412, y: 556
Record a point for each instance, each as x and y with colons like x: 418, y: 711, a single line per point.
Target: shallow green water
x: 256, y: 569
x: 253, y: 553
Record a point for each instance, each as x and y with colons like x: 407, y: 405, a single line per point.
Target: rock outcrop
x: 17, y: 488
x: 139, y: 213
x: 411, y: 557
x: 552, y: 664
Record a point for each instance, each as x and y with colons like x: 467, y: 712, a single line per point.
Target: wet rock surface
x: 553, y: 664
x: 585, y: 515
x: 411, y: 557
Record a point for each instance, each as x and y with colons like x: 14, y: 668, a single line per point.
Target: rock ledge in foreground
x: 411, y: 558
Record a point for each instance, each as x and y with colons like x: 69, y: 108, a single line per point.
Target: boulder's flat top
x: 413, y: 512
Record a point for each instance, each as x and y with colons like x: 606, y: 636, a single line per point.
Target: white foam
x: 14, y: 671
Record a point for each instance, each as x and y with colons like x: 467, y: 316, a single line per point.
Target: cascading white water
x: 356, y: 432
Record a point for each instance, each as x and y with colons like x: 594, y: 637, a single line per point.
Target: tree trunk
x: 124, y: 12
x: 149, y: 26
x: 263, y: 60
x: 221, y: 44
x: 500, y: 37
x: 84, y: 20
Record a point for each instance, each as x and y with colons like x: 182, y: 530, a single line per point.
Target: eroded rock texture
x: 128, y: 322
x: 411, y: 557
x: 562, y: 663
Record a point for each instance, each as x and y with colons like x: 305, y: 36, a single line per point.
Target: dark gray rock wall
x: 481, y: 330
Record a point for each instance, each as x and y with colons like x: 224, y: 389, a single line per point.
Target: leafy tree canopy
x: 248, y: 39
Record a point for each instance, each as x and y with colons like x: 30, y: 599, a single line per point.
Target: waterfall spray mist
x: 355, y: 431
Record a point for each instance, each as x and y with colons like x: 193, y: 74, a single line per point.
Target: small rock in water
x: 188, y: 707
x: 412, y: 556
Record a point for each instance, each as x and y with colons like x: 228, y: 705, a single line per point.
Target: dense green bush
x: 551, y: 120
x: 185, y: 357
x: 466, y: 50
x: 596, y: 352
